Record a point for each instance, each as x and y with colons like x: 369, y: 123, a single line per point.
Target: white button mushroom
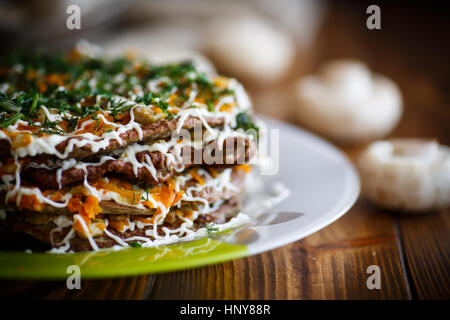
x: 347, y: 103
x: 249, y: 47
x: 406, y: 174
x: 150, y: 44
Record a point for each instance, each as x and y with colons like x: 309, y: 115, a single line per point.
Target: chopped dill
x: 146, y: 198
x: 135, y: 244
x: 211, y: 228
x: 79, y: 88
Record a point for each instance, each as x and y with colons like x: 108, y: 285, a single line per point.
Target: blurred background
x: 268, y: 45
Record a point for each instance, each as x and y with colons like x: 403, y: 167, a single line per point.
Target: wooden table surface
x: 412, y: 251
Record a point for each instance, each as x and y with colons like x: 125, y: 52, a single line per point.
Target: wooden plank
x: 330, y: 264
x: 115, y: 288
x: 426, y: 243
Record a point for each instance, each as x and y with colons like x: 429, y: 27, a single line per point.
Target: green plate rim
x: 126, y: 262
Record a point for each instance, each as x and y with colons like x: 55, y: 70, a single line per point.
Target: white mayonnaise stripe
x: 47, y: 144
x: 86, y: 231
x: 183, y: 233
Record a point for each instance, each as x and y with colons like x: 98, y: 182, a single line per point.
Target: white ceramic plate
x: 323, y: 186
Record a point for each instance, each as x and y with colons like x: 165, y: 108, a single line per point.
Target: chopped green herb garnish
x: 80, y: 87
x: 211, y: 228
x: 9, y: 121
x: 210, y: 105
x: 9, y: 106
x: 34, y: 104
x: 135, y: 244
x: 244, y: 122
x: 146, y: 198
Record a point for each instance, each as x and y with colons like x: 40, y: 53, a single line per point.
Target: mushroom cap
x: 249, y: 47
x: 406, y: 174
x: 156, y: 46
x: 347, y: 103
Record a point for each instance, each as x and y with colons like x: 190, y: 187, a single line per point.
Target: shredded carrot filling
x: 56, y: 78
x: 145, y: 220
x: 91, y: 206
x: 31, y: 202
x: 212, y: 172
x: 31, y: 74
x: 245, y: 167
x: 197, y: 177
x: 187, y: 214
x: 149, y: 220
x: 165, y: 194
x: 41, y: 86
x: 74, y: 205
x: 221, y: 82
x: 101, y: 226
x: 119, y: 225
x: 44, y: 82
x: 88, y: 208
x: 57, y: 195
x: 21, y: 140
x: 157, y: 109
x: 124, y: 189
x: 226, y: 108
x: 96, y: 126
